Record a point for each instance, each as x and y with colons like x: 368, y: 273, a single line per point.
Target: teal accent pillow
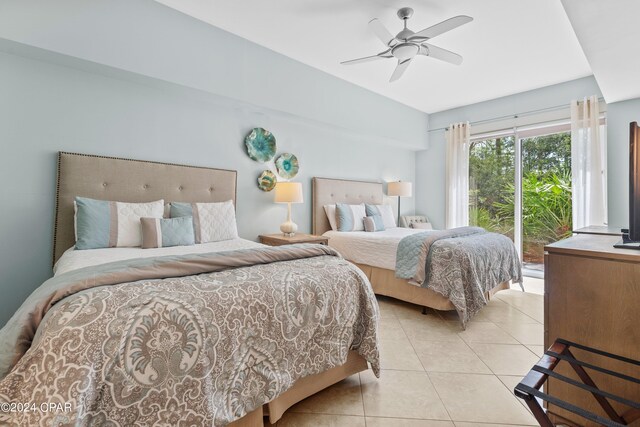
x: 378, y: 221
x: 371, y: 210
x: 344, y: 217
x: 163, y: 233
x: 93, y: 224
x: 178, y: 209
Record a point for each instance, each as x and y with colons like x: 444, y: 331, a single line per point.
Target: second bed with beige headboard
x: 328, y: 191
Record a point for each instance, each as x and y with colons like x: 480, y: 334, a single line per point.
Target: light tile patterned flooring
x: 437, y: 375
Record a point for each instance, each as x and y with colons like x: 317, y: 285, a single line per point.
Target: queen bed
x: 375, y: 253
x: 219, y: 333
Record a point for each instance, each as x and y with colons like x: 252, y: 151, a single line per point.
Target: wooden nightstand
x: 279, y: 239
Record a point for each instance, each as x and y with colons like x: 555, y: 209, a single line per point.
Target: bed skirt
x: 385, y: 282
x: 302, y: 389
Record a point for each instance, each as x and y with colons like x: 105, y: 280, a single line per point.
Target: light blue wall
x: 150, y: 39
x: 430, y: 163
x: 190, y: 114
x: 619, y: 115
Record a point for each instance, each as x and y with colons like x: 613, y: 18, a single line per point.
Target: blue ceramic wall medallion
x: 261, y: 145
x: 287, y: 165
x: 267, y: 180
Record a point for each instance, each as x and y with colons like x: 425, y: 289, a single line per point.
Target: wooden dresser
x: 592, y: 297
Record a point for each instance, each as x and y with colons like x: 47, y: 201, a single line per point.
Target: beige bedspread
x: 183, y: 340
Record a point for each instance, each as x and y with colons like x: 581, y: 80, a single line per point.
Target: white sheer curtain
x: 588, y: 164
x: 457, y: 175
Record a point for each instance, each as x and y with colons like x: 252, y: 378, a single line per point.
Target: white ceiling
x: 609, y: 34
x: 510, y: 47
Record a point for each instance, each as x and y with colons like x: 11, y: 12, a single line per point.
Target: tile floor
x: 437, y: 375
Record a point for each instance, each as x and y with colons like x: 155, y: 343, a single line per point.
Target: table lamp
x: 400, y: 189
x: 288, y: 192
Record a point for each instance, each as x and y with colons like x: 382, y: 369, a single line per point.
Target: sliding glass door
x: 520, y: 186
x: 491, y: 183
x: 546, y: 194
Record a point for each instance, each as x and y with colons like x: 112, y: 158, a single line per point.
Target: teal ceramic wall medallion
x: 267, y: 180
x: 287, y: 165
x: 261, y: 145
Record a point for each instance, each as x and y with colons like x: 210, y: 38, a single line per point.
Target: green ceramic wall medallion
x: 287, y: 165
x: 261, y: 145
x: 267, y: 180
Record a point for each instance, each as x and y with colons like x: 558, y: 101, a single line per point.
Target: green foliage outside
x: 546, y: 189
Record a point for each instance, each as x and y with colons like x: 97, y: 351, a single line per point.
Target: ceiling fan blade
x: 381, y: 55
x: 381, y: 31
x: 443, y: 27
x: 400, y: 69
x: 440, y: 53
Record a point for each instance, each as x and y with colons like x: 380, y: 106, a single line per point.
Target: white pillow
x: 386, y: 212
x: 330, y: 210
x: 212, y: 222
x: 129, y: 214
x: 422, y: 225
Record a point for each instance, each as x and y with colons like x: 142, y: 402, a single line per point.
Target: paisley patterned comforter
x: 461, y: 264
x: 182, y: 340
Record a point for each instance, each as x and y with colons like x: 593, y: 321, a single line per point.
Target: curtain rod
x: 514, y: 116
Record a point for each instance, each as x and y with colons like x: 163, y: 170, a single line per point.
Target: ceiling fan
x: 406, y: 45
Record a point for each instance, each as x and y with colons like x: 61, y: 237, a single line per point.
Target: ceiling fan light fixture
x: 405, y: 51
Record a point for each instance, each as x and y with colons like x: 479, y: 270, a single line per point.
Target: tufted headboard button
x: 146, y: 186
x: 104, y: 184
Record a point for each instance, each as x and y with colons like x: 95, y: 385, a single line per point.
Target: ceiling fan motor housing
x: 404, y: 34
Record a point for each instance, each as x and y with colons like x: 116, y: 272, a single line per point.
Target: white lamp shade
x: 288, y: 192
x: 400, y: 188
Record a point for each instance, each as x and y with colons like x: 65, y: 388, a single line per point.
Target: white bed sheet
x: 73, y: 259
x: 377, y: 249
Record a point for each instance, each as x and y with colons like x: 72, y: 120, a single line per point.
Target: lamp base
x: 289, y: 228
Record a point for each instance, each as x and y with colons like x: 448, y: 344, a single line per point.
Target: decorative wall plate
x: 267, y: 180
x: 261, y: 145
x: 287, y: 165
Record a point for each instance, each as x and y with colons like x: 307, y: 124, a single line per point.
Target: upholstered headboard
x: 327, y: 191
x: 125, y: 180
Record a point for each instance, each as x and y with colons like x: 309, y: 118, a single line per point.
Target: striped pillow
x: 349, y: 217
x: 385, y: 211
x: 373, y: 223
x: 212, y: 222
x: 163, y: 233
x: 105, y: 224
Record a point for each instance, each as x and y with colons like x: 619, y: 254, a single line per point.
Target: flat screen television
x: 631, y: 237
